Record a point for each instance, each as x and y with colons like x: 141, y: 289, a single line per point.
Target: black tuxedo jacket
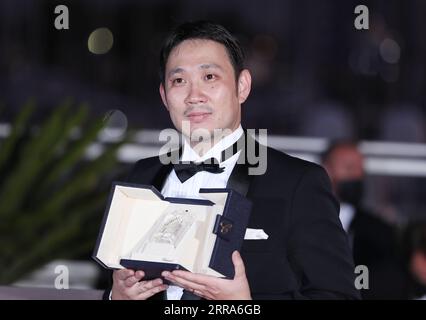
x: 375, y: 246
x: 307, y: 253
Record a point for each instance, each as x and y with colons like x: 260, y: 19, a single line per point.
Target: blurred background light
x: 100, y: 41
x: 390, y: 51
x: 115, y: 126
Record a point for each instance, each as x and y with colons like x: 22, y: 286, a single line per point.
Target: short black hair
x: 205, y: 30
x: 336, y: 144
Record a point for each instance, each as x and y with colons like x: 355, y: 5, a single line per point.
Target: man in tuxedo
x: 306, y: 254
x: 373, y: 241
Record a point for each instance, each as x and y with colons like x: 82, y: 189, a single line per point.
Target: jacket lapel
x: 240, y: 179
x: 163, y: 170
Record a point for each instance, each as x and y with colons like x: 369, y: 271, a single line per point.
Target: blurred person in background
x: 414, y: 246
x: 373, y: 241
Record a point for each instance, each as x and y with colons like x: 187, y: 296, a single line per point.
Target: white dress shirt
x: 173, y: 187
x: 346, y: 215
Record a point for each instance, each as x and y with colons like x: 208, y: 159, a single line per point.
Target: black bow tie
x: 185, y: 170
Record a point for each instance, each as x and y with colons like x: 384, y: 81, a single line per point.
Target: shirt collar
x: 189, y: 154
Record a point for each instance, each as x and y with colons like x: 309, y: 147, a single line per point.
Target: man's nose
x: 195, y: 95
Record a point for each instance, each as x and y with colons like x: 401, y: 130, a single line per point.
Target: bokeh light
x: 115, y: 125
x: 100, y: 41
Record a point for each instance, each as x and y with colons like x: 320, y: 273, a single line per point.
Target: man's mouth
x: 198, y: 116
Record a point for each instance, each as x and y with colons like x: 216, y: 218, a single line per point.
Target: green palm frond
x: 17, y: 131
x: 51, y: 196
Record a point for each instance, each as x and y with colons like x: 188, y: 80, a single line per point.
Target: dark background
x: 314, y: 76
x: 307, y: 59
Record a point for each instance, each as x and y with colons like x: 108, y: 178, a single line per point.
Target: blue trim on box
x: 237, y: 208
x: 215, y: 190
x: 200, y: 202
x: 151, y: 269
x: 102, y: 227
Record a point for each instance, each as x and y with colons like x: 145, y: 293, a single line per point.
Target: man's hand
x: 127, y: 285
x: 213, y: 288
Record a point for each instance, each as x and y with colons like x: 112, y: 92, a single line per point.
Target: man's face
x: 345, y: 163
x: 200, y: 87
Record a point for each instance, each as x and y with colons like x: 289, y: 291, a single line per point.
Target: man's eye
x: 210, y: 77
x: 178, y: 81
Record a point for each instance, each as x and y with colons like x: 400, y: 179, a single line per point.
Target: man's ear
x: 163, y: 95
x: 244, y: 85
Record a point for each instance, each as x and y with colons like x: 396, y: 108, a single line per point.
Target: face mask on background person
x: 351, y: 191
